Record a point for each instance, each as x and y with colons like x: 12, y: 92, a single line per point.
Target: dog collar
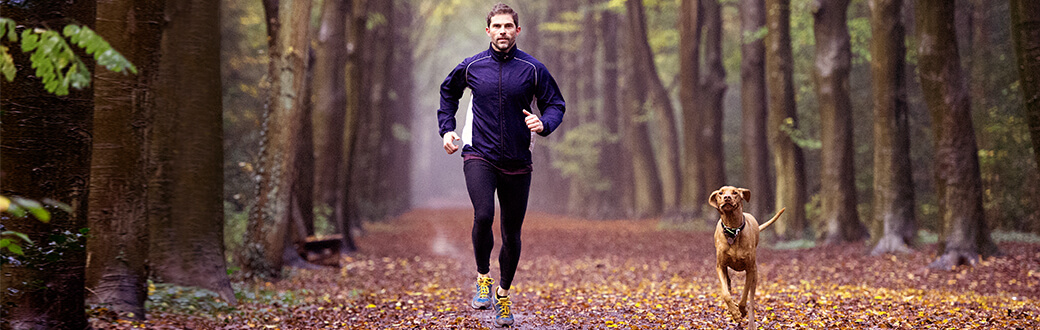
x: 733, y: 232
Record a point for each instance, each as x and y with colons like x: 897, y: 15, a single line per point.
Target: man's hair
x: 501, y: 8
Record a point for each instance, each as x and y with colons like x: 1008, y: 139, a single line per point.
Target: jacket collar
x: 503, y: 56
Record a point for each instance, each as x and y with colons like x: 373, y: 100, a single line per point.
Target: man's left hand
x: 533, y: 123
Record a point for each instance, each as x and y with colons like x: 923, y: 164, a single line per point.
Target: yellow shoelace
x: 485, y: 286
x: 504, y: 302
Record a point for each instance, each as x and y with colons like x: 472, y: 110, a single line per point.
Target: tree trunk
x: 331, y: 98
x: 753, y: 102
x: 399, y: 112
x: 186, y: 212
x: 965, y: 235
x: 330, y: 103
x: 46, y: 150
x: 894, y: 200
x: 635, y: 138
x: 357, y: 103
x: 831, y: 72
x: 270, y: 225
x: 118, y: 248
x: 302, y: 206
x: 693, y: 188
x: 1025, y: 27
x: 613, y: 202
x: 659, y: 106
x: 712, y: 157
x: 790, y: 163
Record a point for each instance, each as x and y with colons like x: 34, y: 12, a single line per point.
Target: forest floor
x: 417, y: 272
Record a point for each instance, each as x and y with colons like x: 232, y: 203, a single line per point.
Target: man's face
x: 503, y: 31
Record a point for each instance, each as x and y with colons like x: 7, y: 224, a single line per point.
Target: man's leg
x: 480, y: 182
x: 513, y: 192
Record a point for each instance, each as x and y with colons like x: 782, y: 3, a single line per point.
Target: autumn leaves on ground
x: 416, y: 272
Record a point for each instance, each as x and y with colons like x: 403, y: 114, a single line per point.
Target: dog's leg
x: 724, y: 291
x: 749, y: 293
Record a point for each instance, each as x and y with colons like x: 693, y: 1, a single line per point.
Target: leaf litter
x: 417, y: 272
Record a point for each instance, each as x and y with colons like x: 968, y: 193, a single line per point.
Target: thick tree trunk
x: 831, y: 72
x: 788, y: 158
x: 186, y: 213
x: 46, y: 149
x: 714, y: 86
x: 965, y: 235
x: 693, y: 188
x: 660, y: 110
x: 1025, y: 27
x: 118, y: 248
x: 270, y: 225
x: 753, y: 102
x: 894, y: 200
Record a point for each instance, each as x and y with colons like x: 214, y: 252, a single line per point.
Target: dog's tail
x: 777, y: 216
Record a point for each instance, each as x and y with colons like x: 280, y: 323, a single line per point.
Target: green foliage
x: 20, y: 208
x: 55, y: 62
x: 171, y: 298
x: 799, y: 137
x: 579, y: 154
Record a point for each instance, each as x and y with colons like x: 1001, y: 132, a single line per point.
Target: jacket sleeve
x: 550, y: 101
x: 451, y: 92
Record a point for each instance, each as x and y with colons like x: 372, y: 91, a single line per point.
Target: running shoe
x: 482, y: 299
x: 503, y: 314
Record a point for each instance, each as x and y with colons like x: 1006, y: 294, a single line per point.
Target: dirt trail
x: 416, y: 272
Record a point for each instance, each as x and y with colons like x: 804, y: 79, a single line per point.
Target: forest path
x: 417, y: 272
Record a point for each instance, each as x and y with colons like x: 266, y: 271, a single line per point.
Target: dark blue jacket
x: 503, y: 85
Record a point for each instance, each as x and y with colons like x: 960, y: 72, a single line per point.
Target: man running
x: 496, y: 144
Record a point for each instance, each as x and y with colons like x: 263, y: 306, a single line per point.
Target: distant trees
x: 1025, y: 27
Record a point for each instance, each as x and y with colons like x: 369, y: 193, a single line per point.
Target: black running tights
x: 482, y: 181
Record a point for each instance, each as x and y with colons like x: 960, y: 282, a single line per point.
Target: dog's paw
x: 743, y: 310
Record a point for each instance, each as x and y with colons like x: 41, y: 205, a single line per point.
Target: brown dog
x: 736, y: 241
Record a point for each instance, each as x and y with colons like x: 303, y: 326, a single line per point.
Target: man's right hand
x: 449, y: 142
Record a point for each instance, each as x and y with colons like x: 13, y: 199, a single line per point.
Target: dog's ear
x: 745, y: 194
x: 712, y: 200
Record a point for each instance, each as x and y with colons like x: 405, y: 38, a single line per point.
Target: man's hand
x: 449, y: 142
x: 533, y: 123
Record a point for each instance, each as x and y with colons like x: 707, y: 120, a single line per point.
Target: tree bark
x: 712, y: 157
x: 894, y: 200
x: 964, y: 235
x: 753, y: 102
x: 1025, y: 27
x: 787, y: 156
x: 831, y: 72
x: 118, y: 248
x: 659, y: 106
x: 46, y: 149
x: 635, y: 137
x: 613, y: 202
x: 693, y: 188
x: 330, y: 99
x: 270, y: 225
x: 186, y: 212
x: 399, y: 112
